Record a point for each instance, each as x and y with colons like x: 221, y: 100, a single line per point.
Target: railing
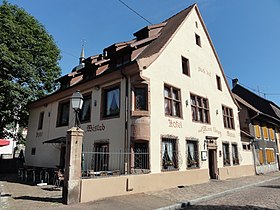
x: 104, y: 163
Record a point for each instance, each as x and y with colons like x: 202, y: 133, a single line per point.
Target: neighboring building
x: 259, y: 122
x: 162, y: 98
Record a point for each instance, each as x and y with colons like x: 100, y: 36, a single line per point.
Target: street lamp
x: 77, y: 104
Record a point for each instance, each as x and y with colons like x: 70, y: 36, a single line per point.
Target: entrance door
x: 212, y: 161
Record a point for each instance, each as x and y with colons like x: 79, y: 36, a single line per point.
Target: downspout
x: 126, y: 141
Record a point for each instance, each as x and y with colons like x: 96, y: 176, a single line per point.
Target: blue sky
x: 245, y: 33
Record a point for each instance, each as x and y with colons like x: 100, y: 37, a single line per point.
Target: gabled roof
x: 256, y: 103
x: 150, y: 41
x: 172, y: 24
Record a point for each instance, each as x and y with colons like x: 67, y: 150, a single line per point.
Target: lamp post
x: 77, y: 104
x: 74, y: 155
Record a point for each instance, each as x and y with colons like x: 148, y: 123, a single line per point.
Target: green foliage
x: 28, y: 63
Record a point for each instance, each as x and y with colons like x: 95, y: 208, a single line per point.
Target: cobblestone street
x: 264, y: 196
x: 252, y: 192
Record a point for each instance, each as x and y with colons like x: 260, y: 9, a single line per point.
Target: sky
x: 245, y: 33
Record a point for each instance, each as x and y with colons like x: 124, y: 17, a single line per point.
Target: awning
x: 4, y: 142
x: 56, y: 140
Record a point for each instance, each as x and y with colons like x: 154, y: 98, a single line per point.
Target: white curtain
x: 167, y: 147
x: 191, y: 151
x: 113, y: 103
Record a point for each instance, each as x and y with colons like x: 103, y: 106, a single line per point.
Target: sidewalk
x: 20, y: 196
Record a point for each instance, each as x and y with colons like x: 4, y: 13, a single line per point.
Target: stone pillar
x: 73, y: 161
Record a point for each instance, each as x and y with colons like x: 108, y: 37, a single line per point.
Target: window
x: 271, y: 134
x: 192, y: 154
x: 228, y: 117
x: 196, y: 24
x: 111, y: 102
x: 172, y: 101
x: 101, y: 157
x: 41, y: 120
x: 141, y: 156
x: 226, y: 157
x: 197, y: 40
x: 140, y: 99
x: 33, y: 151
x: 235, y: 159
x: 260, y: 156
x: 185, y: 66
x: 169, y: 154
x: 200, y: 109
x: 246, y: 147
x: 219, y: 85
x: 63, y: 114
x: 86, y: 109
x: 257, y: 131
x: 270, y: 156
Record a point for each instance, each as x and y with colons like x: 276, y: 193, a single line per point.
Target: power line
x: 135, y: 12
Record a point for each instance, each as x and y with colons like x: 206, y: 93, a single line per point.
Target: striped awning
x: 4, y: 142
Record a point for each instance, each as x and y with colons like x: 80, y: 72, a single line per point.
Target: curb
x: 212, y: 196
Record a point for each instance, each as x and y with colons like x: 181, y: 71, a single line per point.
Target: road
x: 264, y: 196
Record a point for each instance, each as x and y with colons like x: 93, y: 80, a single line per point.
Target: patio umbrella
x: 4, y: 142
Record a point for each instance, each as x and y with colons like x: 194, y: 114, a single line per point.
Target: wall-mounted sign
x: 204, y: 71
x: 94, y: 128
x: 174, y: 124
x: 204, y: 129
x: 203, y: 155
x: 39, y: 134
x: 230, y: 134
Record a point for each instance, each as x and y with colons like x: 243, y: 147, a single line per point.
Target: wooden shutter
x: 265, y: 132
x: 271, y: 134
x: 257, y: 131
x: 261, y: 156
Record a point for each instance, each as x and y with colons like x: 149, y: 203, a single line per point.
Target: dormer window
x: 123, y: 60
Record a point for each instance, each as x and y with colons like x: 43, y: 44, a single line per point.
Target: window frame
x: 135, y: 97
x: 190, y: 163
x: 104, y: 93
x: 41, y: 120
x: 197, y: 40
x: 86, y: 96
x: 171, y: 101
x: 185, y: 66
x: 226, y: 154
x: 170, y: 165
x: 234, y: 153
x: 59, y: 120
x: 199, y: 108
x: 228, y: 117
x: 219, y: 83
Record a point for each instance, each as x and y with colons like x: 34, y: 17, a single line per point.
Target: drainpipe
x: 126, y: 140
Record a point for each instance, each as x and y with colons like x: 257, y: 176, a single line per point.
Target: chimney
x: 234, y: 82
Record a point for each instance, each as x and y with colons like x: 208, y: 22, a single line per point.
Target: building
x: 260, y: 122
x: 162, y: 98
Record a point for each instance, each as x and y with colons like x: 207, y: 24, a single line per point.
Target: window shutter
x: 261, y: 156
x: 265, y: 132
x: 271, y: 134
x: 257, y: 131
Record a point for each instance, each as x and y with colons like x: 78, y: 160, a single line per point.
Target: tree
x: 28, y: 64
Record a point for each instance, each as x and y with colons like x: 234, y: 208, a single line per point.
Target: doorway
x: 212, y: 163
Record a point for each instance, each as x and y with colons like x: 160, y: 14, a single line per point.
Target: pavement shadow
x: 41, y: 199
x: 223, y: 207
x: 271, y: 186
